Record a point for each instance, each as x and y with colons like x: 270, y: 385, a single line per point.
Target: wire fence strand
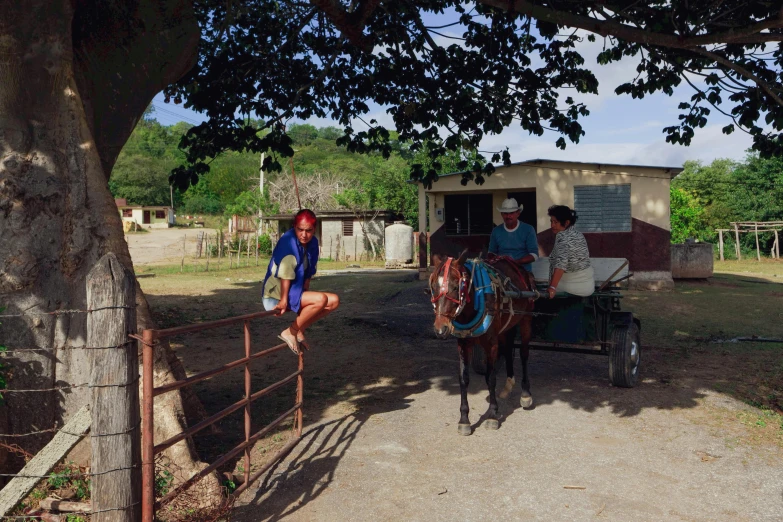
x: 66, y: 312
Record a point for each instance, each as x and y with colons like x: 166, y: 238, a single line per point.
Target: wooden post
x: 43, y: 462
x: 239, y: 251
x: 720, y: 243
x: 777, y: 244
x: 115, y: 432
x: 219, y: 239
x: 423, y: 261
x: 247, y: 261
x: 737, y: 244
x: 758, y: 250
x: 182, y: 264
x: 256, y: 247
x: 209, y: 252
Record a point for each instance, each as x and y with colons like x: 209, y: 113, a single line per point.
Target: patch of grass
x: 768, y: 267
x: 164, y: 479
x: 72, y: 477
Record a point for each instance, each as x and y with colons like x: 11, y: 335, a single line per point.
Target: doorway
x: 527, y: 198
x: 146, y: 217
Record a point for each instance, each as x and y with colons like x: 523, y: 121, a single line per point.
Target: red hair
x: 306, y: 216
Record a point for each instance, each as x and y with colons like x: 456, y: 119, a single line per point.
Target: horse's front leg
x: 507, y: 349
x: 526, y: 331
x: 491, y: 350
x: 465, y: 347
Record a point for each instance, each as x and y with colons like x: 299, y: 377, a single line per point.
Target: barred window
x: 127, y: 212
x: 160, y: 214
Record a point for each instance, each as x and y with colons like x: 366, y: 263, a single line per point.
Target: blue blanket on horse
x: 482, y: 285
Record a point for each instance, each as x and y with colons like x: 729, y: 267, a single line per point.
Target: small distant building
x: 340, y: 232
x: 145, y: 216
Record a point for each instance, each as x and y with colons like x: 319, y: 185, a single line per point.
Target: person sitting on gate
x: 287, y: 282
x: 514, y: 238
x: 569, y: 263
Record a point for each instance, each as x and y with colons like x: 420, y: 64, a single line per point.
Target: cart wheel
x: 478, y: 360
x: 625, y: 356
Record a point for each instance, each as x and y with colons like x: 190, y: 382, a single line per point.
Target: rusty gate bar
x: 149, y: 449
x: 247, y: 399
x: 228, y: 456
x: 223, y: 413
x: 211, y: 373
x: 147, y: 429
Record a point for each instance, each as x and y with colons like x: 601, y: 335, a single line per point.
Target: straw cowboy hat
x: 509, y: 205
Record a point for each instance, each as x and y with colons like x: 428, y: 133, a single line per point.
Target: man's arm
x: 531, y: 246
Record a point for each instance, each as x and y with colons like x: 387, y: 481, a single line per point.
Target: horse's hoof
x: 526, y: 402
x: 507, y: 388
x: 464, y: 429
x: 491, y: 424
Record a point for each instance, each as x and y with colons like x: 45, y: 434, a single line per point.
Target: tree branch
x: 744, y: 35
x: 350, y: 24
x: 742, y: 72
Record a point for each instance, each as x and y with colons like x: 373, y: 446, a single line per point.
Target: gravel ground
x: 661, y: 451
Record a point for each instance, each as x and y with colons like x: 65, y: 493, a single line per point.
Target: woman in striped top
x: 569, y: 263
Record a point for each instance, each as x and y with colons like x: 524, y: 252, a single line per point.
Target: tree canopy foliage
x: 501, y: 64
x: 707, y: 197
x: 232, y: 183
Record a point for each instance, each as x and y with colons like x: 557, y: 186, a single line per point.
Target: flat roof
x: 673, y: 171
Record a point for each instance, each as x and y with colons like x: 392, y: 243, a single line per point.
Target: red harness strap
x: 444, y: 285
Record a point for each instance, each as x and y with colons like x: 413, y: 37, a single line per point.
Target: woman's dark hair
x: 306, y: 215
x: 562, y: 214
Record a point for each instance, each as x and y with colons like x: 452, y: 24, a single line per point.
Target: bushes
x: 265, y: 244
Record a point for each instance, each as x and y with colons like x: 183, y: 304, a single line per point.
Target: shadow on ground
x: 378, y: 351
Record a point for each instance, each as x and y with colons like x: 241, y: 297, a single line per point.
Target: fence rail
x: 148, y: 341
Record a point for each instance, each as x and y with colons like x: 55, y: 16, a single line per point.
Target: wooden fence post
x: 720, y: 243
x: 758, y: 250
x: 114, y: 379
x: 737, y: 244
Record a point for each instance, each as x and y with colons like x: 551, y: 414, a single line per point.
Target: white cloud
x: 708, y: 144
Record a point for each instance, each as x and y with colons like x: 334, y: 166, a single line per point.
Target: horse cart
x: 593, y: 325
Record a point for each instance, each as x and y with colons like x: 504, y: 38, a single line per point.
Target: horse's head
x: 449, y: 291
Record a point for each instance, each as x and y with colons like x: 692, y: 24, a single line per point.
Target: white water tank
x: 399, y: 243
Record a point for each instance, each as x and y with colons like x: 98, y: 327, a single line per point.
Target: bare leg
x: 332, y: 303
x: 313, y: 306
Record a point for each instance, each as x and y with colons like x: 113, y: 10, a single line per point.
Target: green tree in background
x: 687, y: 217
x: 728, y: 191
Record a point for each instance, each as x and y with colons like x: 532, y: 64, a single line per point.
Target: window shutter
x: 603, y: 208
x: 347, y: 227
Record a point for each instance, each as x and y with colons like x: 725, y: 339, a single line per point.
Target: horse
x: 453, y: 289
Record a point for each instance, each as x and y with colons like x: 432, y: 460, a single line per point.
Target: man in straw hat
x: 514, y: 238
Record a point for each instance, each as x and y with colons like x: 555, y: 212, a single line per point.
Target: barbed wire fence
x: 111, y: 422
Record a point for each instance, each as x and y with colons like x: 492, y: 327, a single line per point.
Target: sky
x: 619, y: 129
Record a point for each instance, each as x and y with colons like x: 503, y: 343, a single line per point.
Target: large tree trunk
x: 74, y: 79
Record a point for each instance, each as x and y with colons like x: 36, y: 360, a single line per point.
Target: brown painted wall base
x: 647, y: 247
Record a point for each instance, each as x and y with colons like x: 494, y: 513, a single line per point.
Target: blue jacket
x: 290, y: 245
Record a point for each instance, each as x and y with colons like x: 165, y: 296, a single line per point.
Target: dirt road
x: 163, y: 245
x: 382, y: 402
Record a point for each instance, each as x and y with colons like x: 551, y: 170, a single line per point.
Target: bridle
x: 463, y: 290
